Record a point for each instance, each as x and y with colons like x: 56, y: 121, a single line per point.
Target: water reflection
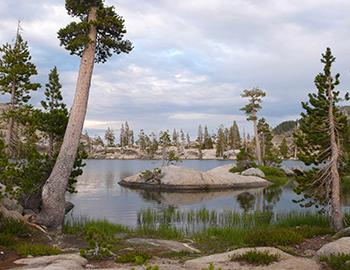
x: 246, y: 201
x: 99, y: 195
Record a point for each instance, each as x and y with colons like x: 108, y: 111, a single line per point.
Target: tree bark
x: 11, y: 123
x: 53, y: 195
x: 337, y: 216
x: 257, y: 141
x: 51, y: 145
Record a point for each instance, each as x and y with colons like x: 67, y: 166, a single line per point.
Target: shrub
x: 139, y: 258
x: 337, y: 262
x: 13, y: 227
x: 36, y: 250
x: 255, y: 257
x: 236, y: 170
x: 273, y: 237
x: 272, y: 171
x: 211, y: 267
x: 6, y: 240
x: 152, y: 176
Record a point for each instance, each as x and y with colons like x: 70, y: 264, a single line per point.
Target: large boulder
x: 180, y: 178
x: 340, y: 246
x: 170, y: 245
x: 11, y: 204
x: 253, y: 172
x: 63, y: 261
x: 223, y: 260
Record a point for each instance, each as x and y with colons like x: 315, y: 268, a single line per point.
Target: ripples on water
x: 100, y: 196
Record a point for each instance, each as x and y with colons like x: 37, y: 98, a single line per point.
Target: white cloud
x: 193, y: 58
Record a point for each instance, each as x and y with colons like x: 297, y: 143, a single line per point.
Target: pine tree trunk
x: 51, y: 145
x: 257, y: 142
x: 11, y: 123
x: 337, y: 217
x: 53, y: 195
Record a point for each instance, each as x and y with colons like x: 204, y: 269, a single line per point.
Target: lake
x: 101, y: 197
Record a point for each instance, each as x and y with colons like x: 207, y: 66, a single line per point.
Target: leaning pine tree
x: 320, y: 141
x: 97, y: 35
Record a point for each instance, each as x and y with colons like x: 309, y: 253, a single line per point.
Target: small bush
x: 272, y: 171
x: 13, y: 227
x: 255, y: 257
x: 138, y: 258
x: 36, y: 250
x: 337, y: 262
x: 211, y: 267
x: 273, y: 237
x: 236, y: 170
x: 6, y: 240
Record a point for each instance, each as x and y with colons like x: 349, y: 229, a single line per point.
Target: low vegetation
x: 139, y: 258
x: 338, y: 262
x: 273, y: 174
x: 212, y: 267
x: 211, y: 231
x: 255, y: 257
x: 26, y: 249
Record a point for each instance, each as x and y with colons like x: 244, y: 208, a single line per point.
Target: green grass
x: 337, y: 262
x: 36, y: 250
x: 212, y: 267
x: 81, y: 225
x: 6, y: 240
x: 210, y: 230
x: 136, y: 257
x: 294, y: 218
x: 162, y: 232
x: 13, y: 227
x: 255, y: 257
x: 273, y: 237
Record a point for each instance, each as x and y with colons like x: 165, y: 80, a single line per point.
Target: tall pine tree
x: 319, y: 139
x: 16, y: 71
x: 55, y: 117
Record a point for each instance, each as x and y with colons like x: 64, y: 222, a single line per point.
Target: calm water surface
x: 100, y: 196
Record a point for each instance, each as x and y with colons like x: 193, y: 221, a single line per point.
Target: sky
x: 192, y: 59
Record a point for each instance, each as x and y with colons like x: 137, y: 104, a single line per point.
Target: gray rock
x: 340, y: 246
x: 57, y: 262
x: 11, y: 205
x: 165, y: 244
x: 253, y: 172
x: 223, y: 260
x: 179, y: 178
x: 68, y: 207
x: 287, y: 171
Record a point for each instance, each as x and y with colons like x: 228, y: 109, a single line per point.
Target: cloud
x: 192, y: 59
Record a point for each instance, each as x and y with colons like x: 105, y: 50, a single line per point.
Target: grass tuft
x: 36, y: 250
x: 338, y: 262
x: 255, y: 257
x: 139, y: 258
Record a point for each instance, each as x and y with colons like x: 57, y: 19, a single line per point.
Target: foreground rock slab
x: 57, y: 262
x: 223, y: 260
x: 165, y: 244
x: 340, y: 246
x: 180, y: 178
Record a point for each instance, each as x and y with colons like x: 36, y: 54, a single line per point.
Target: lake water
x: 101, y: 197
